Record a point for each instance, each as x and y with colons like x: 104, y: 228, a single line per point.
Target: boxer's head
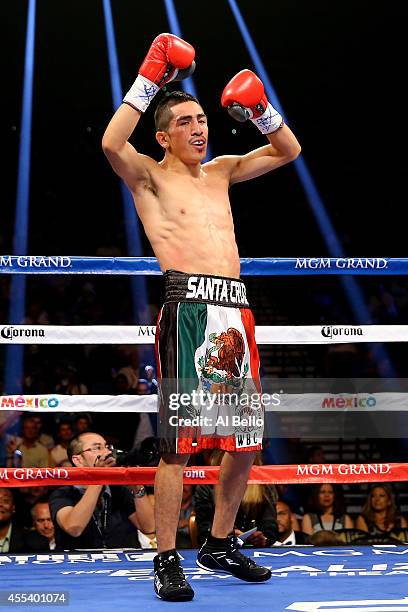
x: 181, y: 127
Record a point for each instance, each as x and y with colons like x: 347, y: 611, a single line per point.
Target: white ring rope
x: 288, y: 403
x: 144, y: 334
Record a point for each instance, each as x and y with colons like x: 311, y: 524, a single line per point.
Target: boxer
x: 205, y: 331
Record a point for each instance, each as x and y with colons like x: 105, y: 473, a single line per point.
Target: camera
x: 147, y: 455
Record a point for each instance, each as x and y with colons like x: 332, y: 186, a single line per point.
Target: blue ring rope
x: 250, y: 266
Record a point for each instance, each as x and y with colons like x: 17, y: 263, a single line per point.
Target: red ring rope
x: 273, y: 474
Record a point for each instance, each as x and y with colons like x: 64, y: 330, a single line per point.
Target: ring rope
x: 278, y: 474
x: 291, y: 403
x: 250, y: 266
x: 145, y: 334
x: 266, y: 474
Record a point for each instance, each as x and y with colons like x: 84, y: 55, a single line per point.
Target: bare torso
x: 188, y: 220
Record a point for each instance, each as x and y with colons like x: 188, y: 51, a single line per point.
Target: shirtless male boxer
x: 186, y: 214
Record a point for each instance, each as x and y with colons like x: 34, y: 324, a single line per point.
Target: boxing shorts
x: 208, y: 366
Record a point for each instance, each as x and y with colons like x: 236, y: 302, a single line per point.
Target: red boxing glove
x: 169, y: 59
x: 168, y: 54
x: 245, y: 98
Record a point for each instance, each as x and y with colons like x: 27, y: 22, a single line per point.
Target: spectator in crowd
x: 324, y: 538
x: 327, y: 511
x: 383, y: 307
x: 83, y: 423
x: 142, y: 387
x: 25, y: 499
x: 144, y: 428
x: 34, y: 454
x: 131, y: 369
x: 7, y: 421
x: 122, y: 385
x: 59, y: 452
x: 70, y: 383
x: 11, y: 535
x: 127, y: 431
x: 288, y: 527
x: 257, y: 509
x: 380, y: 514
x: 3, y: 451
x: 42, y: 537
x: 315, y: 455
x: 151, y: 378
x: 287, y: 451
x: 44, y: 438
x: 36, y: 313
x: 98, y: 516
x: 87, y: 307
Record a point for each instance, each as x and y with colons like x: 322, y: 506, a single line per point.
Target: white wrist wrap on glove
x: 141, y: 93
x: 270, y: 121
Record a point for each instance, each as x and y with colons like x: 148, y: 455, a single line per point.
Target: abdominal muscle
x: 204, y: 250
x: 190, y: 227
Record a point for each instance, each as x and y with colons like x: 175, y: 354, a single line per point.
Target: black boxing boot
x: 170, y: 583
x: 222, y: 555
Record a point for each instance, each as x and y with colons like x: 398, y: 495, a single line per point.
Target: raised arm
x: 245, y: 98
x: 169, y: 58
x: 130, y: 165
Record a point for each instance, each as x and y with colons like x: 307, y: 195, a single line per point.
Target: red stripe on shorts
x: 249, y: 325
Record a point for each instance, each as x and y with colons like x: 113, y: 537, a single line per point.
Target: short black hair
x: 64, y: 422
x: 83, y: 415
x: 75, y: 445
x: 163, y: 114
x: 31, y: 415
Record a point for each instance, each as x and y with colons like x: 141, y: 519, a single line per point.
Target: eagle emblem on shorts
x: 222, y: 364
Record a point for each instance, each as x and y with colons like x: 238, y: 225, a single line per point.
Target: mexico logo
x: 222, y: 362
x: 23, y: 402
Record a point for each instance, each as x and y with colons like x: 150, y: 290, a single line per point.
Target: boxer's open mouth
x: 199, y: 143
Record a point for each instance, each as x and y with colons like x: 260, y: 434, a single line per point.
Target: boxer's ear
x: 163, y: 139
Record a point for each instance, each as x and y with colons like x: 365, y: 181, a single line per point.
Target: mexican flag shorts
x: 208, y: 366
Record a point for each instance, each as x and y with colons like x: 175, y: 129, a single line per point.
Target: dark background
x: 337, y: 68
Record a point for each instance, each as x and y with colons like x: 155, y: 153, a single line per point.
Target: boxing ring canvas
x: 304, y: 579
